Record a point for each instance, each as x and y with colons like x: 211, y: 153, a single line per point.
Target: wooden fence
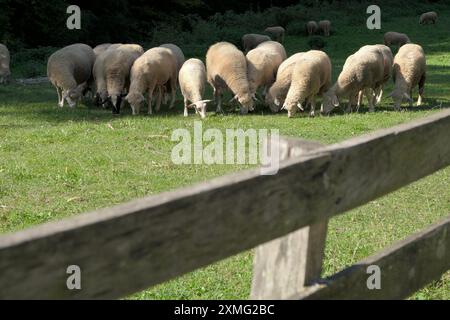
x: 130, y: 247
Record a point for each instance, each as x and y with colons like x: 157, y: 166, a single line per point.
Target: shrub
x: 317, y: 43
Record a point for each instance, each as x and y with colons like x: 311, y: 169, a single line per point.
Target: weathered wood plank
x: 405, y: 268
x: 285, y: 265
x: 145, y: 242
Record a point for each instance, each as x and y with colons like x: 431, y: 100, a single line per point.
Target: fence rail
x: 130, y: 247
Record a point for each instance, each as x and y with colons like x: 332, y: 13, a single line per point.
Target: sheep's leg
x: 360, y: 99
x: 421, y: 89
x: 186, y: 103
x: 149, y: 100
x: 312, y: 101
x: 173, y: 91
x: 369, y: 95
x: 218, y: 99
x: 60, y: 98
x: 411, y: 100
x: 158, y: 101
x: 379, y: 94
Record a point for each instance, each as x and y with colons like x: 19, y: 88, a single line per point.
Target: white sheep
x: 276, y: 94
x: 263, y: 63
x: 311, y: 76
x: 179, y: 55
x: 311, y: 27
x: 325, y: 27
x: 68, y: 69
x: 252, y: 40
x: 364, y: 70
x: 395, y: 38
x: 98, y: 72
x: 428, y: 17
x: 5, y: 73
x: 192, y: 78
x: 226, y: 68
x: 276, y: 32
x: 155, y: 68
x: 117, y: 65
x: 409, y: 71
x: 388, y: 60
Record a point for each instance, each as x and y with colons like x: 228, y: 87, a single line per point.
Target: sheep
x: 277, y: 92
x: 395, y: 38
x: 69, y: 68
x: 251, y: 41
x: 311, y: 27
x: 116, y: 68
x: 101, y: 48
x: 276, y: 32
x: 226, y: 69
x: 192, y: 77
x: 311, y: 76
x: 409, y: 71
x: 5, y: 73
x: 155, y: 68
x: 263, y: 63
x: 325, y: 26
x: 176, y: 51
x: 388, y: 59
x: 428, y: 17
x: 363, y: 70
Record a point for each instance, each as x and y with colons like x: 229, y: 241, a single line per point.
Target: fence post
x: 284, y: 266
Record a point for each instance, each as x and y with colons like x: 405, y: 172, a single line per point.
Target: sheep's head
x: 273, y: 101
x: 135, y: 100
x: 330, y: 101
x: 200, y: 107
x: 72, y: 96
x: 292, y: 108
x: 399, y: 96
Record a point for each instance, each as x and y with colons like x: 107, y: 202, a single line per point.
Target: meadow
x: 56, y: 163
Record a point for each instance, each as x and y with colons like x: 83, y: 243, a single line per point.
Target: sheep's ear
x: 232, y: 99
x: 407, y: 97
x: 299, y: 105
x: 276, y: 102
x: 283, y: 107
x: 255, y: 98
x: 335, y: 101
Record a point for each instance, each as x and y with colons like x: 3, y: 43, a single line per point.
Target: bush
x: 317, y: 43
x: 296, y: 28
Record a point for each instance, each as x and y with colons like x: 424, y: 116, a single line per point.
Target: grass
x: 56, y: 163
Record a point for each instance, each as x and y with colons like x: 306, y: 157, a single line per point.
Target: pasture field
x: 56, y: 163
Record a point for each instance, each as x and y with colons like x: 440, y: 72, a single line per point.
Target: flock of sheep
x: 116, y: 73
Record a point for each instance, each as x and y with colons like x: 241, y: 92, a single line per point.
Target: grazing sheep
x: 117, y: 65
x: 364, y: 70
x: 428, y: 17
x: 277, y: 33
x: 395, y: 38
x: 155, y: 68
x: 388, y: 59
x: 192, y: 77
x: 69, y: 68
x: 325, y: 27
x: 277, y: 92
x: 176, y: 51
x: 311, y: 27
x: 5, y: 73
x: 226, y: 68
x: 263, y: 63
x: 409, y: 72
x: 98, y: 80
x: 101, y: 48
x: 311, y: 76
x: 251, y: 41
